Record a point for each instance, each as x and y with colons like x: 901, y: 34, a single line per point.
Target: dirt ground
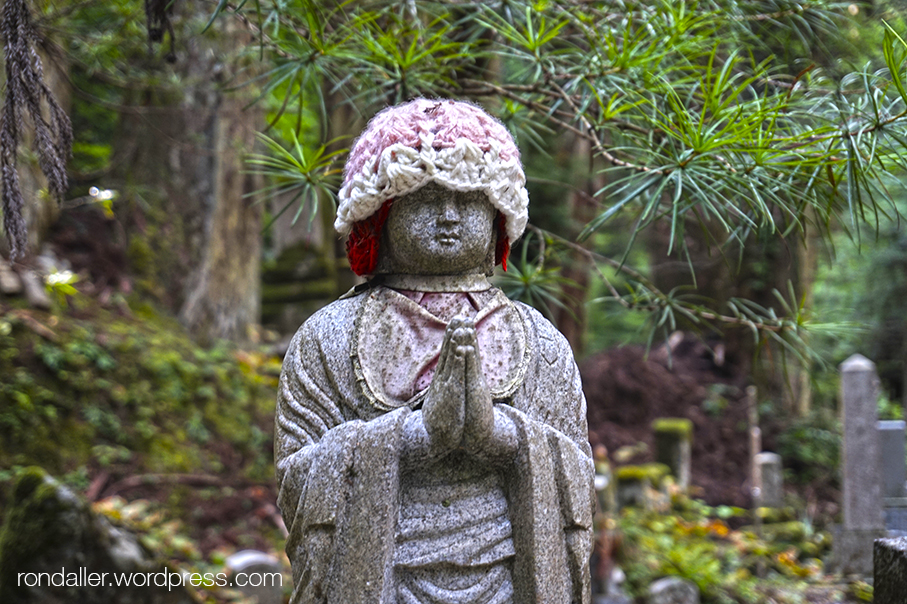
x: 626, y: 392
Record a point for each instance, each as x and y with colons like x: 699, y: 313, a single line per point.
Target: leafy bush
x: 98, y: 389
x: 694, y: 541
x: 811, y: 447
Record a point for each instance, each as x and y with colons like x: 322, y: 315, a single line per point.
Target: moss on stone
x: 38, y: 518
x: 49, y: 530
x: 653, y: 472
x: 679, y: 426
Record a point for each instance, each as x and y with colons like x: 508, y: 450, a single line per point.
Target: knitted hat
x: 452, y: 143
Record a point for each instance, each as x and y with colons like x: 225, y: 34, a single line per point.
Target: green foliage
x: 862, y: 591
x: 309, y: 177
x: 888, y: 409
x: 59, y: 284
x: 104, y: 38
x: 158, y: 534
x: 531, y: 281
x: 865, y: 287
x: 170, y: 541
x: 117, y: 390
x: 693, y: 541
x: 811, y: 447
x: 688, y: 115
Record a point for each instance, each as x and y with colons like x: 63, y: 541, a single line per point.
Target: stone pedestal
x: 673, y: 443
x: 635, y: 482
x: 852, y: 549
x: 769, y: 492
x: 890, y: 571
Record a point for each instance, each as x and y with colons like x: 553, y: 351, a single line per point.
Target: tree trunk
x: 223, y: 296
x: 199, y: 243
x: 572, y: 321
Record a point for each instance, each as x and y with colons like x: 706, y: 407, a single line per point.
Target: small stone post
x: 673, y: 445
x: 605, y: 487
x: 755, y: 435
x: 890, y: 571
x: 769, y: 480
x: 862, y: 481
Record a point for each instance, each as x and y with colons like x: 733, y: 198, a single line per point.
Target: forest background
x: 730, y: 169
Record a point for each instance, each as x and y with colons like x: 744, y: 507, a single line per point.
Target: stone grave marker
x: 894, y: 474
x: 891, y: 448
x: 673, y: 443
x: 673, y: 590
x: 769, y: 491
x: 862, y: 481
x: 262, y: 576
x: 35, y: 293
x: 636, y: 483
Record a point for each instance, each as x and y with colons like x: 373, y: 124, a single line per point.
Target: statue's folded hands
x: 457, y: 413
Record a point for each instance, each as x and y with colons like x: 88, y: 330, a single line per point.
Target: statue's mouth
x: 448, y: 238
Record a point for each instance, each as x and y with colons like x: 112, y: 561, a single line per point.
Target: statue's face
x: 437, y: 231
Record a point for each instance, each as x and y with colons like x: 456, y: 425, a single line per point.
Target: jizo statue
x: 431, y: 440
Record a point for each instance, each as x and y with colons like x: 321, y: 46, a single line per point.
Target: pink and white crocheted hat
x: 453, y: 143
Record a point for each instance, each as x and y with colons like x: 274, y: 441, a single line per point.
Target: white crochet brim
x: 464, y: 167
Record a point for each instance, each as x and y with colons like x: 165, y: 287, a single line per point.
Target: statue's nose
x: 450, y: 211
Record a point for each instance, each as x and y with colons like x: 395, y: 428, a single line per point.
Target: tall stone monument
x: 862, y: 481
x: 431, y: 439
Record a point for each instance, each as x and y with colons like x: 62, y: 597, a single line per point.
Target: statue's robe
x: 342, y: 404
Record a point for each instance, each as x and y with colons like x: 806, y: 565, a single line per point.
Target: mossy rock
x: 678, y: 426
x: 50, y: 534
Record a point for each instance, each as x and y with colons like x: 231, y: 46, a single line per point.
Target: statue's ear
x: 501, y: 244
x: 363, y: 248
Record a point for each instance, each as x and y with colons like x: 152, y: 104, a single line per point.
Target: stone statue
x: 431, y: 440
